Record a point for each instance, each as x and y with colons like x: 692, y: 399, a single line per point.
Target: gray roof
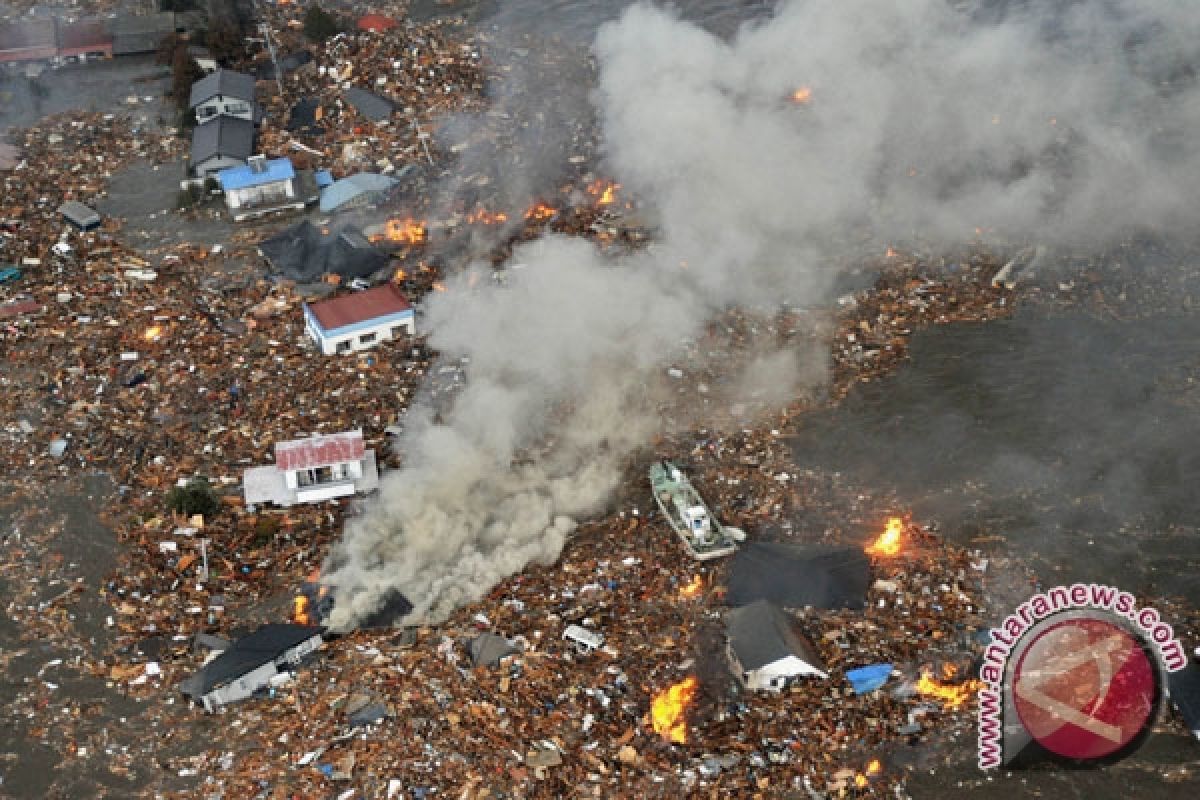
x: 795, y: 576
x: 224, y: 82
x: 78, y: 213
x: 369, y: 104
x: 762, y: 633
x: 487, y: 649
x: 349, y: 188
x: 247, y: 654
x: 232, y: 137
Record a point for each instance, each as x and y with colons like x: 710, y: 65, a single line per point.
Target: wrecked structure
x: 312, y: 470
x: 701, y: 533
x: 767, y: 649
x: 251, y: 663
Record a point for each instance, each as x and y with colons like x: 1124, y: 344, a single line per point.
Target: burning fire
x: 604, y: 191
x: 888, y: 543
x: 482, y: 216
x: 802, y: 95
x: 668, y: 710
x: 300, y: 614
x: 952, y: 695
x: 153, y: 333
x: 438, y: 286
x: 405, y: 231
x: 539, y: 212
x: 694, y: 588
x: 890, y: 253
x: 874, y: 767
x: 399, y: 276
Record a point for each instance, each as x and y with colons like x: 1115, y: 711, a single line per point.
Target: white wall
x: 383, y: 333
x: 229, y: 106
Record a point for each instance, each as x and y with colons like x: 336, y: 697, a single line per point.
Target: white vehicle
x: 585, y: 641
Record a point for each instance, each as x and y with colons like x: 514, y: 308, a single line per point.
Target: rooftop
x: 273, y: 171
x: 349, y: 309
x: 231, y: 137
x: 319, y: 451
x: 223, y: 82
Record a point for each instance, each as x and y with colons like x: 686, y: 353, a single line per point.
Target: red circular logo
x: 1084, y: 688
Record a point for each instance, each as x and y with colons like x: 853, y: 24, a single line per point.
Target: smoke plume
x: 769, y: 157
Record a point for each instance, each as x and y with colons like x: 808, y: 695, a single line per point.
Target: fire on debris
x: 952, y: 695
x: 873, y: 768
x: 153, y: 333
x: 669, y: 709
x: 404, y: 231
x: 694, y: 588
x: 481, y: 216
x: 305, y: 605
x: 539, y: 212
x: 604, y: 191
x: 890, y: 541
x: 802, y: 95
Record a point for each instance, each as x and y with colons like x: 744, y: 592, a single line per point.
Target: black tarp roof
x: 1184, y: 687
x: 302, y: 253
x: 247, y: 654
x: 795, y: 576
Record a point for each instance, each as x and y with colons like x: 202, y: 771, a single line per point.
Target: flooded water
x: 1067, y: 440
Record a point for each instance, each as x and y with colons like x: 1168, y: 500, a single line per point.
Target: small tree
x: 319, y: 24
x: 194, y: 497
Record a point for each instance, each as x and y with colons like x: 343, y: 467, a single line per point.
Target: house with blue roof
x: 259, y: 187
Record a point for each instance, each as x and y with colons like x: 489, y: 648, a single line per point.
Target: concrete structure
x: 223, y: 93
x: 251, y: 664
x: 222, y: 144
x: 767, y: 649
x: 260, y: 186
x: 313, y: 470
x: 360, y: 320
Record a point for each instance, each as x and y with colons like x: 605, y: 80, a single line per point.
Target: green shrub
x: 194, y: 497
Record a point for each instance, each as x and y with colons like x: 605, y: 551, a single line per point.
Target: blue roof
x: 277, y: 169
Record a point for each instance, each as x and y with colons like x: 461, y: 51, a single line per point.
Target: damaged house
x: 250, y: 664
x: 303, y: 253
x: 224, y: 93
x: 361, y: 320
x: 767, y: 649
x: 312, y: 470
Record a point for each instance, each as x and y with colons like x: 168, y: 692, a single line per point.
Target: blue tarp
x: 350, y: 188
x: 323, y: 178
x: 277, y: 169
x: 868, y: 679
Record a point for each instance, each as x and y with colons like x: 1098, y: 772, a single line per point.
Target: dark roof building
x: 224, y: 137
x: 369, y: 104
x: 250, y: 663
x: 79, y: 215
x: 795, y: 576
x: 767, y: 647
x: 303, y: 253
x: 223, y: 83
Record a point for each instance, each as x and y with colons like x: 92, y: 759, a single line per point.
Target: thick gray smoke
x: 1068, y: 125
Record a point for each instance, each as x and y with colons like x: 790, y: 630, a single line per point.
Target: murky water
x: 1069, y: 440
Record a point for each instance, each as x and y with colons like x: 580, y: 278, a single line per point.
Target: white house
x: 250, y: 664
x: 224, y: 93
x: 359, y: 320
x: 260, y: 186
x: 767, y: 649
x: 313, y: 470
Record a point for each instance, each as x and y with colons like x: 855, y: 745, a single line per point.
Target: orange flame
x: 438, y: 286
x: 540, y: 211
x: 300, y: 614
x: 405, y: 231
x: 481, y: 216
x: 153, y: 333
x: 668, y: 709
x: 604, y: 191
x: 874, y: 767
x: 802, y: 95
x: 951, y: 695
x: 694, y: 588
x: 399, y: 275
x: 888, y: 543
x: 890, y: 253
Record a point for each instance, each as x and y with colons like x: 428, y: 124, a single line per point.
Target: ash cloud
x: 1068, y: 123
